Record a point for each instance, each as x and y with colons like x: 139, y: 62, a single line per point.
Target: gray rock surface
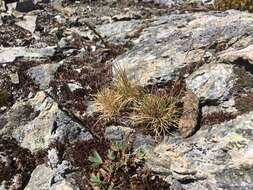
x: 218, y: 157
x: 38, y: 122
x: 43, y: 74
x: 212, y: 82
x: 28, y: 23
x: 170, y: 43
x: 8, y: 55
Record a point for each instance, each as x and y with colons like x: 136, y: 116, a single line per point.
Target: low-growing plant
x: 118, y: 159
x: 127, y: 88
x: 109, y: 102
x: 158, y: 113
x: 223, y: 5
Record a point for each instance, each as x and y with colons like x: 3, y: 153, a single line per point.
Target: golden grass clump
x: 127, y: 88
x: 243, y: 5
x: 158, y: 113
x: 109, y: 102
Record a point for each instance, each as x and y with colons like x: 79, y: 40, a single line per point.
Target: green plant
x: 158, y: 113
x: 109, y: 102
x: 118, y: 159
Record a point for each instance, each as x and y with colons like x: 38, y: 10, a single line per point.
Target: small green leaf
x: 117, y: 146
x: 95, y: 158
x: 111, y: 155
x: 140, y: 154
x: 95, y: 180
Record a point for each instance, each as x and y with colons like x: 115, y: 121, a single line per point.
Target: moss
x: 243, y: 5
x: 4, y: 98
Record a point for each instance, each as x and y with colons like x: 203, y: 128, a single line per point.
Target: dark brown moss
x: 244, y: 102
x: 4, y: 97
x: 217, y: 117
x: 20, y: 162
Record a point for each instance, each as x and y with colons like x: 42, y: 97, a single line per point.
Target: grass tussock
x: 158, y: 113
x: 127, y: 88
x: 109, y: 102
x: 243, y: 5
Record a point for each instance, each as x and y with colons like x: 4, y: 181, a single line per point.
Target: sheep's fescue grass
x: 157, y: 113
x: 127, y: 88
x: 109, y: 103
x: 223, y: 5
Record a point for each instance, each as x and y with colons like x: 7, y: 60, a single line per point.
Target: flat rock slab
x: 8, y: 55
x: 233, y: 55
x: 38, y: 122
x: 43, y: 74
x: 218, y: 157
x: 170, y: 44
x: 28, y: 23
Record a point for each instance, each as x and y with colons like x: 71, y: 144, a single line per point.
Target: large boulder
x: 171, y: 44
x: 217, y: 157
x: 38, y: 122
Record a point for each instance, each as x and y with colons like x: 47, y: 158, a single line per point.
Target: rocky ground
x: 55, y: 56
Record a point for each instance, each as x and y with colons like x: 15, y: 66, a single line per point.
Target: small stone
x: 118, y: 133
x: 43, y: 74
x: 189, y: 119
x: 14, y: 78
x: 28, y: 23
x: 41, y: 178
x: 53, y: 157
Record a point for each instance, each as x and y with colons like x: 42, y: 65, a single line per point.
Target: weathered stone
x: 28, y: 23
x: 233, y: 55
x: 38, y: 122
x: 119, y: 31
x: 212, y: 82
x: 14, y: 78
x: 218, y: 157
x: 189, y: 119
x: 41, y: 178
x: 118, y: 133
x: 170, y: 44
x: 43, y: 74
x: 8, y: 55
x: 46, y: 178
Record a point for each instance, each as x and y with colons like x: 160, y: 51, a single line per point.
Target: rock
x: 14, y: 78
x: 171, y: 44
x: 8, y: 55
x: 233, y: 55
x: 25, y: 6
x: 38, y: 122
x: 212, y: 82
x: 119, y: 31
x: 52, y: 156
x: 41, y: 178
x: 46, y: 178
x: 29, y: 23
x: 73, y: 86
x: 64, y: 185
x: 218, y: 157
x: 189, y: 119
x: 118, y: 133
x: 43, y: 74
